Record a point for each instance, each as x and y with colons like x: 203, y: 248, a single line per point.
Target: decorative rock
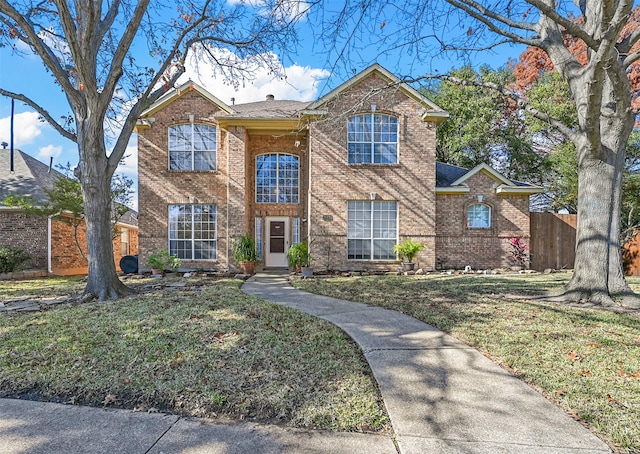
x: 548, y: 271
x: 419, y: 271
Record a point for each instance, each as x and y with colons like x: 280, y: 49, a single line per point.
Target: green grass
x: 203, y: 350
x: 586, y: 360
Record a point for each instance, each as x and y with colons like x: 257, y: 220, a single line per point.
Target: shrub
x: 408, y: 249
x: 161, y: 260
x: 12, y: 259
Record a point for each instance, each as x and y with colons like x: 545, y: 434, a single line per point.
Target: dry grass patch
x: 586, y: 360
x: 202, y: 350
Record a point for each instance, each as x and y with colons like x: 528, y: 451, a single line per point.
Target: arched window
x: 192, y: 147
x: 372, y: 139
x: 277, y: 178
x: 479, y: 216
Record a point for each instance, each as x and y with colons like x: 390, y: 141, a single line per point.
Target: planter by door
x: 408, y: 266
x: 307, y: 271
x: 248, y: 267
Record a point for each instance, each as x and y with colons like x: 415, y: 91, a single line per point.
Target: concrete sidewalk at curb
x: 442, y: 396
x: 48, y: 428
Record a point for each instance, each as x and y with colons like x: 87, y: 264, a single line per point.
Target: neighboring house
x: 353, y: 173
x: 49, y: 241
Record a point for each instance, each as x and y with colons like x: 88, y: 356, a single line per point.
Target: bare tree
x: 598, y: 80
x: 88, y: 47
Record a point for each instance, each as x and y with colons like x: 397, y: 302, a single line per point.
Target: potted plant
x: 161, y: 260
x: 518, y: 253
x: 244, y: 252
x: 407, y: 251
x: 299, y: 258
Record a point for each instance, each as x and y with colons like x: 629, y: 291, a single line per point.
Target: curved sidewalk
x: 442, y: 396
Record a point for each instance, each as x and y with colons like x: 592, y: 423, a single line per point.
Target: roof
x: 30, y: 178
x: 452, y: 179
x: 271, y: 108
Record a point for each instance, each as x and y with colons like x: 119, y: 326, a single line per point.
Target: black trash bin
x: 129, y: 264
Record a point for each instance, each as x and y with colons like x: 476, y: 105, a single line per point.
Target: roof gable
x: 432, y: 111
x: 177, y: 92
x: 453, y: 180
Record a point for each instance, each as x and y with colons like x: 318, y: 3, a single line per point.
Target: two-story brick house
x: 353, y: 173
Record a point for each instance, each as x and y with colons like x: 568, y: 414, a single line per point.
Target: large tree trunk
x: 95, y: 178
x: 598, y: 272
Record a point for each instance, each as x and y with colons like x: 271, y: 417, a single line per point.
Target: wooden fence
x: 553, y: 241
x: 553, y: 244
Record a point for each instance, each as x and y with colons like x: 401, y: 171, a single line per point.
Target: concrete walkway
x: 441, y: 395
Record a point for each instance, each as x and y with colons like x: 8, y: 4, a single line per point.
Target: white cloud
x: 129, y: 164
x: 26, y: 127
x: 299, y: 83
x: 49, y: 151
x: 281, y: 9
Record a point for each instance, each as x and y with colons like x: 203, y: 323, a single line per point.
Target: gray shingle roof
x: 30, y: 178
x: 447, y: 174
x: 269, y: 109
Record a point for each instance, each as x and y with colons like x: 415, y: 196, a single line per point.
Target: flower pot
x: 248, y: 267
x: 408, y: 266
x: 156, y: 271
x: 306, y: 271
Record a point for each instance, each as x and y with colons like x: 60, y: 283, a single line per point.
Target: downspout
x: 49, y: 269
x: 228, y: 197
x: 309, y: 138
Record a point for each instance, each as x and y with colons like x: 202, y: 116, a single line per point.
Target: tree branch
x: 43, y: 113
x: 34, y: 41
x: 483, y: 15
x: 567, y: 24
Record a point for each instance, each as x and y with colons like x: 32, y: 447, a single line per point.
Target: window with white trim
x: 259, y: 240
x: 192, y: 146
x: 372, y: 230
x: 193, y: 232
x: 479, y: 216
x: 372, y: 139
x: 124, y: 242
x: 277, y: 178
x: 295, y: 233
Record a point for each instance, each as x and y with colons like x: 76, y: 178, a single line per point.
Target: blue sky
x: 308, y: 77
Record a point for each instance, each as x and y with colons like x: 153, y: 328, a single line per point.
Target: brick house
x: 49, y: 241
x: 289, y: 171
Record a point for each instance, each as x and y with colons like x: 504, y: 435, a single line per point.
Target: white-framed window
x: 277, y: 178
x: 259, y: 239
x: 295, y: 231
x: 372, y: 229
x: 479, y: 216
x: 192, y: 146
x: 372, y: 139
x: 124, y: 242
x: 193, y: 232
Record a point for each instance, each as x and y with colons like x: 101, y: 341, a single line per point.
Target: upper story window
x: 372, y: 139
x: 277, y: 178
x: 192, y: 147
x: 479, y: 216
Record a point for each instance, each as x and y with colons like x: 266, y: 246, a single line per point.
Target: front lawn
x: 586, y: 360
x: 199, y: 348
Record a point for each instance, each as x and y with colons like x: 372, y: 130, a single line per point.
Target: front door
x: 277, y: 242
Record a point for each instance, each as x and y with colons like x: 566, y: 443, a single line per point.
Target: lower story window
x: 259, y: 240
x: 372, y: 230
x: 192, y: 232
x: 479, y: 216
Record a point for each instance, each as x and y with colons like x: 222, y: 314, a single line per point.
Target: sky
x: 308, y: 76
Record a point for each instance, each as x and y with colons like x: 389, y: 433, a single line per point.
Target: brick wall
x: 158, y: 187
x: 19, y: 230
x: 30, y: 233
x: 411, y: 182
x: 458, y: 246
x: 66, y: 260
